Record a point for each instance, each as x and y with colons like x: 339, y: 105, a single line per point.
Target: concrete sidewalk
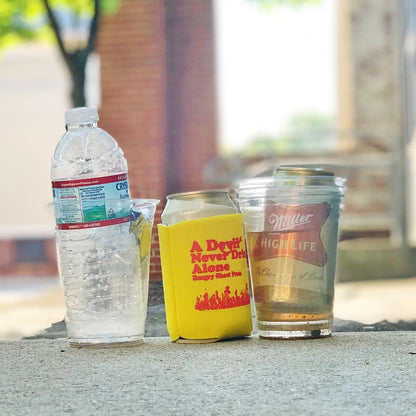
x: 29, y: 305
x: 347, y: 374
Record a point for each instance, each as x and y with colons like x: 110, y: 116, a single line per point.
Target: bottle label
x: 91, y: 202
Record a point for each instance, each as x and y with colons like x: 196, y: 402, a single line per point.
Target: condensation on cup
x: 291, y: 221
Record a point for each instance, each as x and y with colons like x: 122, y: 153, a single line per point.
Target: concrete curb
x: 346, y: 374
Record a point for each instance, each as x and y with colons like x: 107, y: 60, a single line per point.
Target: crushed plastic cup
x: 106, y: 279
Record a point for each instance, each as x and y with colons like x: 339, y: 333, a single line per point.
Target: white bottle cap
x: 81, y: 115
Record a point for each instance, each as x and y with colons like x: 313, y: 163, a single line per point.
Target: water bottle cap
x: 81, y: 115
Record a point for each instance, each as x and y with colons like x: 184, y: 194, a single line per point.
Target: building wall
x: 371, y: 118
x: 158, y: 95
x: 132, y: 53
x: 369, y: 68
x: 370, y: 109
x: 377, y: 82
x: 34, y: 93
x: 191, y: 136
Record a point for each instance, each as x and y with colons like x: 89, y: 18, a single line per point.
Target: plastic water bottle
x: 98, y: 258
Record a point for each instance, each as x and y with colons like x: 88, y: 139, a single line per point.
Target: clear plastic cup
x: 291, y: 223
x: 106, y: 275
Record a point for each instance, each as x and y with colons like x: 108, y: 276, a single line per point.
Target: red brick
x: 158, y: 95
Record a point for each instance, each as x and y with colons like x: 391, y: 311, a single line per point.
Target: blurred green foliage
x: 27, y: 19
x: 22, y: 20
x: 305, y: 132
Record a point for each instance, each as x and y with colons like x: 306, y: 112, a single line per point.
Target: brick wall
x: 191, y: 99
x: 158, y: 95
x: 132, y: 50
x: 7, y: 256
x: 11, y: 262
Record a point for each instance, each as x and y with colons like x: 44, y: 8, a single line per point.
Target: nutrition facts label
x: 92, y: 202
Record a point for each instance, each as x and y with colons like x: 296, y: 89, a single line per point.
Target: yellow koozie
x: 205, y: 279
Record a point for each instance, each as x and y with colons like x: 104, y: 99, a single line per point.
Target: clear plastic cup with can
x: 291, y: 222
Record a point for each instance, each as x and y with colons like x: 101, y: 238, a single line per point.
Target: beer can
x: 204, y: 268
x: 199, y: 204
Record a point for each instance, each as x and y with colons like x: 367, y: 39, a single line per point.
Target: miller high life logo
x: 293, y: 231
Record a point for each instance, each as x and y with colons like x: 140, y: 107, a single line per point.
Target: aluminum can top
x: 304, y: 176
x: 294, y: 176
x: 197, y: 204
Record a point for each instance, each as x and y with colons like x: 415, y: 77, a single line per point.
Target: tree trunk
x: 76, y: 65
x: 78, y: 93
x: 76, y: 61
